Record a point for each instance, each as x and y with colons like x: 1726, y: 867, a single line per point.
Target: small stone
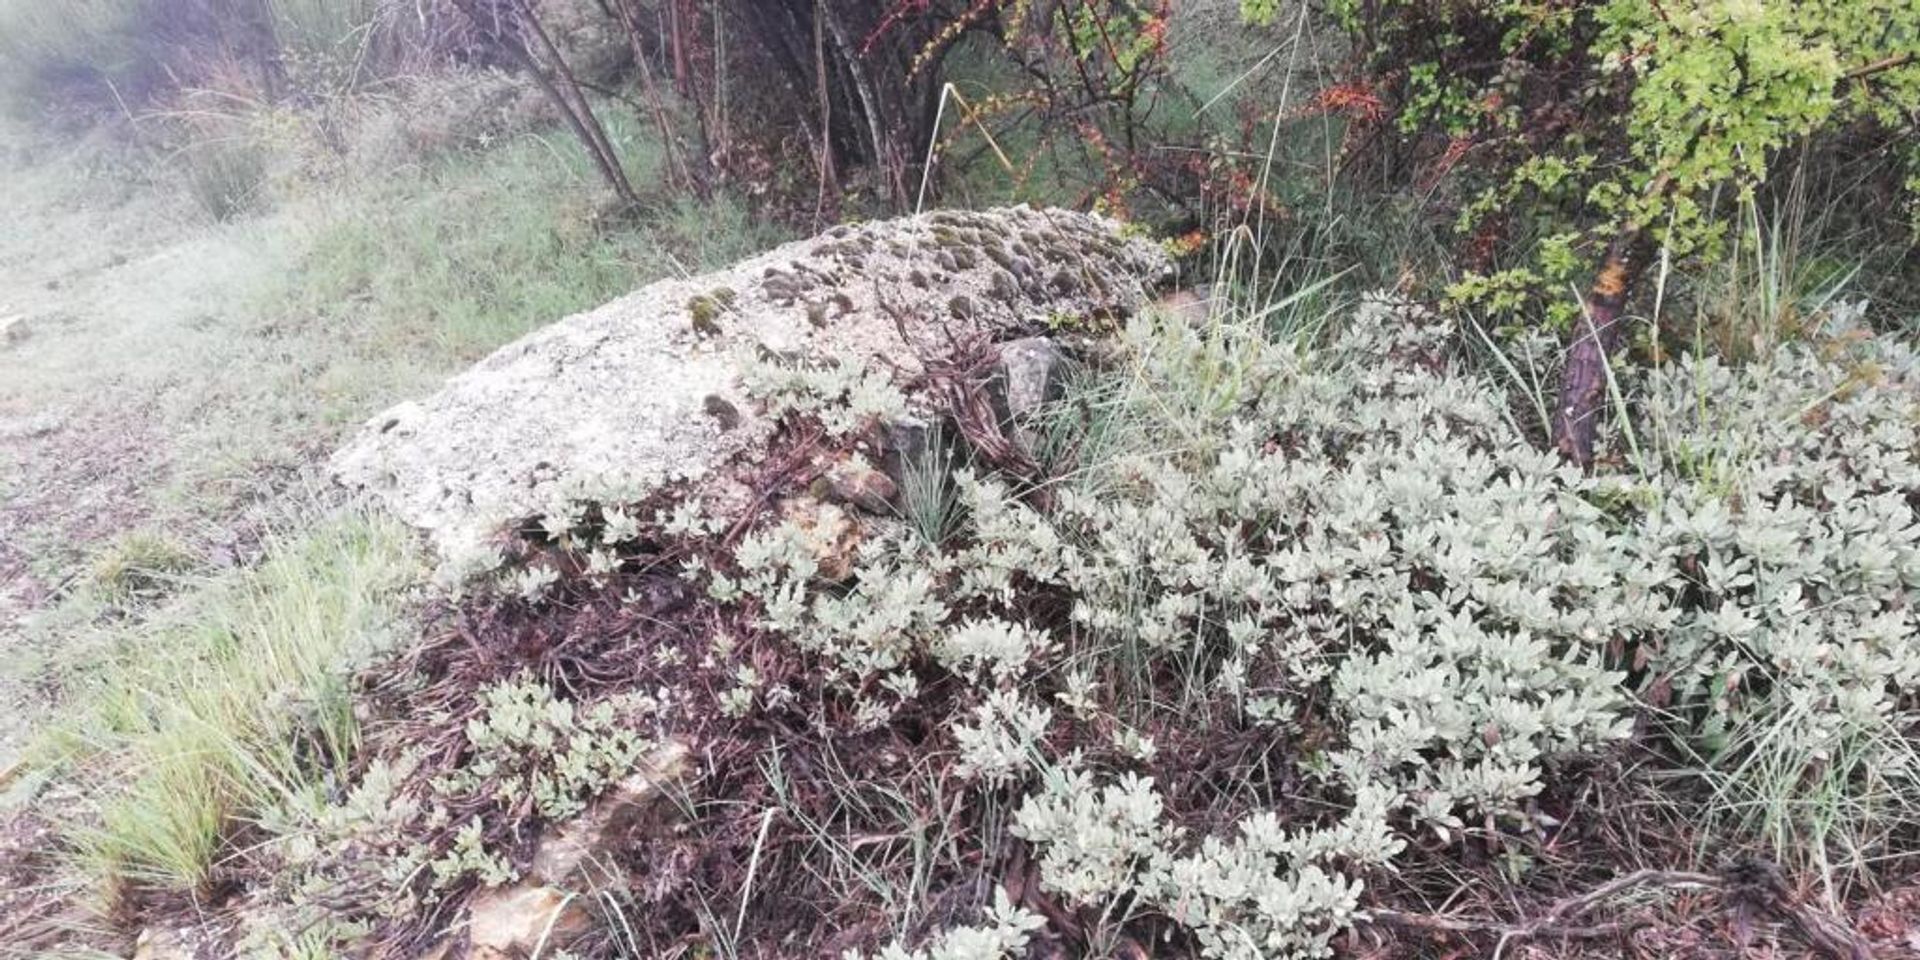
x: 515, y: 922
x: 724, y: 413
x: 1026, y: 376
x: 581, y: 853
x: 907, y: 444
x: 831, y: 535
x: 1192, y: 307
x: 159, y: 943
x: 14, y: 328
x: 856, y: 482
x: 780, y: 289
x: 29, y: 428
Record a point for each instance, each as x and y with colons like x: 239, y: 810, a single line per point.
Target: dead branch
x: 1745, y: 887
x: 573, y: 109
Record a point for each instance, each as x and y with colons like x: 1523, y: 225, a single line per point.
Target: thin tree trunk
x: 884, y: 159
x: 683, y: 172
x: 609, y: 159
x: 682, y: 76
x: 583, y: 127
x: 829, y: 178
x: 1598, y: 335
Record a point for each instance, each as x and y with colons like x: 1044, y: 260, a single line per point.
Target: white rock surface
x: 14, y: 328
x: 646, y: 391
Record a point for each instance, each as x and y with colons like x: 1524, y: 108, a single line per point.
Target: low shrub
x: 1357, y: 550
x: 1290, y: 621
x: 425, y: 119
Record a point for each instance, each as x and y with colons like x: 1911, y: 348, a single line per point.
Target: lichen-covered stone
x: 1026, y: 376
x: 646, y: 392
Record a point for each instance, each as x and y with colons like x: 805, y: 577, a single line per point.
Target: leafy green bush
x: 1580, y: 124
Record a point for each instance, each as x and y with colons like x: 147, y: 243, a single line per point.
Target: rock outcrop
x: 647, y: 391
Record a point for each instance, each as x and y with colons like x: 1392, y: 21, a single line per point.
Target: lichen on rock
x: 647, y: 392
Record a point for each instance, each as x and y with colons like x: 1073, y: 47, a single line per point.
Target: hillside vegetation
x: 1502, y: 536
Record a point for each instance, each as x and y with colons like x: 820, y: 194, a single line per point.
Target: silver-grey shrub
x: 1359, y: 537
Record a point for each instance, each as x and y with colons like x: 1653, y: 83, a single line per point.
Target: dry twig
x: 1746, y: 887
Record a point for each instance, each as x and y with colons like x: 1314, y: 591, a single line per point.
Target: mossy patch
x: 705, y: 310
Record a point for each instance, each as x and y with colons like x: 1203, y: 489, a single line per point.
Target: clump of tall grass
x: 224, y: 177
x: 234, y: 703
x: 126, y: 56
x: 325, y: 45
x: 47, y: 45
x: 63, y: 30
x: 140, y: 565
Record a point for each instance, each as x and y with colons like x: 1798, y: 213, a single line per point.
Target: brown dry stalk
x: 1744, y: 887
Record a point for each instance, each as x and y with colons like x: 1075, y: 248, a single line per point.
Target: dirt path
x: 132, y: 312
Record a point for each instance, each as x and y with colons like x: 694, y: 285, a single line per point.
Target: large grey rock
x: 646, y: 391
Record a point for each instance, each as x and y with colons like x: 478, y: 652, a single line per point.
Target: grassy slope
x: 182, y: 381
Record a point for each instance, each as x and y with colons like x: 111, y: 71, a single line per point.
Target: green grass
x: 140, y: 565
x: 220, y: 702
x: 225, y: 177
x: 330, y: 33
x: 479, y: 249
x: 116, y: 55
x: 1829, y: 791
x: 929, y: 502
x: 234, y: 703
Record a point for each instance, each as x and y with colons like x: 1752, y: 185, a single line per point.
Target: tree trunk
x: 684, y: 174
x: 584, y: 120
x: 829, y: 178
x: 1598, y: 335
